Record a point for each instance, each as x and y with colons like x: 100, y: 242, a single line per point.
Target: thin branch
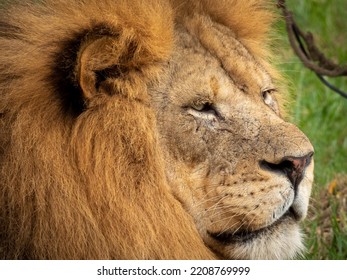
x: 311, y: 56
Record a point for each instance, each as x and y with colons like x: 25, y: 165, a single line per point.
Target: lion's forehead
x: 221, y: 59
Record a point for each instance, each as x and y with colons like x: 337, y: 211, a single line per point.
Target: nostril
x: 308, y: 159
x: 282, y: 167
x: 292, y: 167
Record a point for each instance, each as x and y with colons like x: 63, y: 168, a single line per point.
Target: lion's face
x: 91, y: 161
x: 238, y: 168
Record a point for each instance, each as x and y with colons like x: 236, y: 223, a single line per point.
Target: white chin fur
x: 284, y: 243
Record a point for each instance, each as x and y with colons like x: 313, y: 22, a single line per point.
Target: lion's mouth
x: 246, y: 236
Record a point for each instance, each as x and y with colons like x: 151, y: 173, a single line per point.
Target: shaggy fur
x: 81, y: 177
x: 81, y: 174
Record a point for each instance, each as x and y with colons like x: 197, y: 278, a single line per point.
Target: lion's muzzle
x: 293, y: 167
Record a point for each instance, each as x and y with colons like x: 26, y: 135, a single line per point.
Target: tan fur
x: 89, y: 164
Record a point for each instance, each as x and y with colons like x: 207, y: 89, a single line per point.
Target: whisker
x: 226, y: 218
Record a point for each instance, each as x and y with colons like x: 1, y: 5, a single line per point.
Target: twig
x: 311, y: 54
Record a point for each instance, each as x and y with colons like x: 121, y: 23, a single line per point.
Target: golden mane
x: 80, y: 177
x: 249, y: 20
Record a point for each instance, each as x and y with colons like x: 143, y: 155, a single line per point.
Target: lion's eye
x: 270, y: 100
x: 267, y: 97
x: 204, y: 110
x: 203, y: 107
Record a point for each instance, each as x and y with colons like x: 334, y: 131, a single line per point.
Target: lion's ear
x: 120, y: 63
x: 100, y: 60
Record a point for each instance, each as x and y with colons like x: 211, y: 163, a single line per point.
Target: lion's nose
x: 292, y: 167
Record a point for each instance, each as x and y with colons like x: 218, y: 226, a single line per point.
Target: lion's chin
x: 280, y: 240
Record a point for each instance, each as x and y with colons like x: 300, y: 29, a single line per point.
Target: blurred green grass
x: 322, y: 115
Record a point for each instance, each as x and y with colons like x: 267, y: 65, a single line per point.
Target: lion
x: 154, y: 129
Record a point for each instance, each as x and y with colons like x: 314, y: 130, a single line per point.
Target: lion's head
x: 146, y: 130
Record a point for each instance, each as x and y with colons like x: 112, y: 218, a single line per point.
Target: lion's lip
x: 245, y: 235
